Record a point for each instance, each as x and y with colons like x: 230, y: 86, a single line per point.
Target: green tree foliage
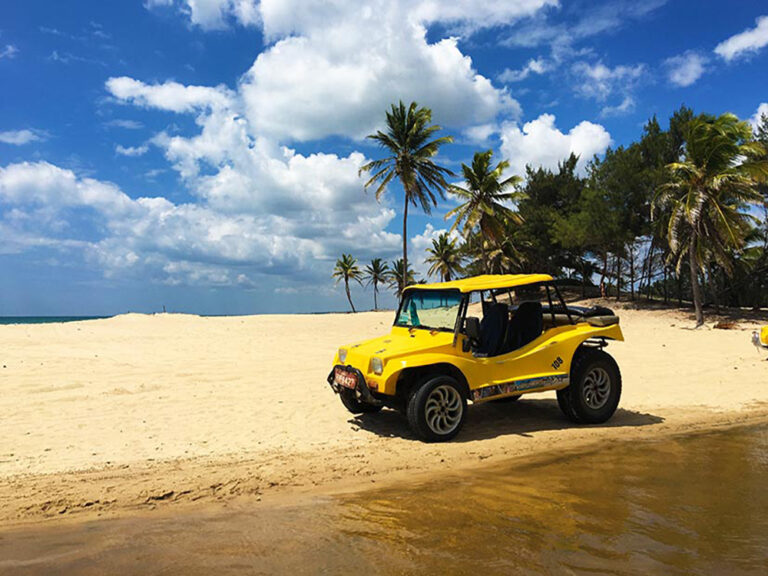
x: 486, y: 203
x: 707, y: 194
x: 398, y: 279
x: 444, y: 258
x: 409, y: 142
x: 376, y: 273
x: 346, y: 269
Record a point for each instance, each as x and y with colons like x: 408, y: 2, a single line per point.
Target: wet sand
x: 613, y: 510
x: 170, y: 412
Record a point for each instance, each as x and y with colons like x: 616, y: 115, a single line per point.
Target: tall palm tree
x: 445, y: 257
x: 707, y: 194
x: 485, y: 198
x: 377, y: 273
x: 397, y: 277
x: 408, y: 142
x: 346, y: 269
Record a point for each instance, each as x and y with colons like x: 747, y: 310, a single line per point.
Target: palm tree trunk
x: 375, y: 292
x: 349, y: 296
x: 695, y: 288
x: 405, y: 240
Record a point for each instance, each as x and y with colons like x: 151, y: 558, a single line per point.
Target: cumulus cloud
x: 260, y: 209
x: 344, y: 62
x: 213, y: 14
x: 540, y: 144
x: 169, y: 96
x: 175, y: 243
x: 21, y: 137
x: 685, y: 69
x: 744, y: 43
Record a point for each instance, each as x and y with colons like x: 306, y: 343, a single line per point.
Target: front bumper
x: 361, y: 390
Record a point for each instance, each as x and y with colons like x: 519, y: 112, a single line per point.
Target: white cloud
x: 481, y: 133
x: 348, y: 61
x: 213, y: 14
x: 131, y: 150
x: 534, y: 66
x: 746, y: 42
x: 625, y: 107
x: 599, y: 81
x: 540, y: 143
x: 289, y: 17
x: 182, y: 243
x: 9, y: 51
x: 127, y: 124
x: 169, y: 96
x: 762, y: 110
x: 21, y: 137
x: 685, y: 69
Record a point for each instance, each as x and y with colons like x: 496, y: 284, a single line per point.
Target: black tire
x: 354, y: 405
x: 437, y: 409
x: 595, y: 388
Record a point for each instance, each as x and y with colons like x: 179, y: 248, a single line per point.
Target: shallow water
x: 691, y: 505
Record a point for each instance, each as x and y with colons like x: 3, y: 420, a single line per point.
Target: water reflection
x: 685, y: 506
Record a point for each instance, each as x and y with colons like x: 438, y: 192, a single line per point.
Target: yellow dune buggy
x: 478, y: 339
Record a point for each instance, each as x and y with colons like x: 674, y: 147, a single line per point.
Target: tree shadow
x: 493, y: 420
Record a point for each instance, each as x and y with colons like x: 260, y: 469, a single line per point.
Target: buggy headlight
x: 342, y: 355
x: 377, y: 365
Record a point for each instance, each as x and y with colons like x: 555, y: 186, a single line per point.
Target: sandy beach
x: 138, y: 413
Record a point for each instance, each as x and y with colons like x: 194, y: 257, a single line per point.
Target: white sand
x: 119, y: 415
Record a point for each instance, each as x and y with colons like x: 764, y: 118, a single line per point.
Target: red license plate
x: 345, y: 379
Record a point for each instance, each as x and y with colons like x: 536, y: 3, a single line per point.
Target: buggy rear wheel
x: 595, y: 388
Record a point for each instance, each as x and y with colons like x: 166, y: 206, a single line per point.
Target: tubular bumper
x: 361, y: 390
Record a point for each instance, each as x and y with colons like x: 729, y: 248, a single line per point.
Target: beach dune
x: 110, y: 417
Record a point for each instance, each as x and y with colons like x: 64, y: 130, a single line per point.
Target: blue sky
x: 203, y: 154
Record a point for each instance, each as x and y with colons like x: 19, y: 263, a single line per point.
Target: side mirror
x: 472, y: 328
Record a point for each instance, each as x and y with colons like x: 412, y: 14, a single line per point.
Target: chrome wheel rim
x: 597, y: 388
x: 443, y: 409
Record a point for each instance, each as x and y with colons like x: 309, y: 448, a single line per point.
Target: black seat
x: 492, y: 329
x: 526, y: 325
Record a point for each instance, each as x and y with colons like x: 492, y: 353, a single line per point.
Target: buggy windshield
x: 429, y: 309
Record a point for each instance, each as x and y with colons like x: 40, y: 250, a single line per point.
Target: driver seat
x: 492, y: 329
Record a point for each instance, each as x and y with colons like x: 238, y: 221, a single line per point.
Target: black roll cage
x: 549, y: 285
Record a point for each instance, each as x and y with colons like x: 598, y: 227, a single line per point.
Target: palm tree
x: 346, y: 269
x: 707, y: 194
x: 397, y: 277
x: 376, y: 272
x: 444, y: 257
x: 407, y: 140
x: 484, y: 209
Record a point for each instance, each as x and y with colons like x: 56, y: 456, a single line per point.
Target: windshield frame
x: 459, y: 313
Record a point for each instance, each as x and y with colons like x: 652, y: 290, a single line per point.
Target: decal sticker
x: 519, y: 386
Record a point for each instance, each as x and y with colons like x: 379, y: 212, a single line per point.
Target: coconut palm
x: 397, y: 277
x: 408, y: 142
x: 346, y: 269
x: 707, y: 194
x: 377, y: 273
x: 445, y: 257
x: 485, y: 201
